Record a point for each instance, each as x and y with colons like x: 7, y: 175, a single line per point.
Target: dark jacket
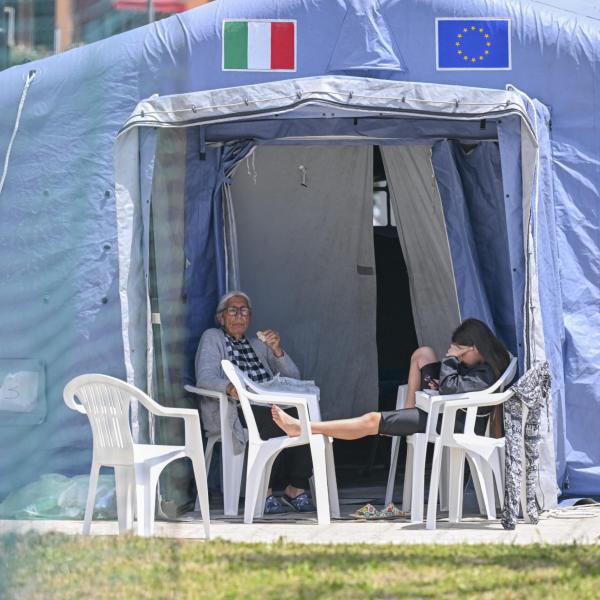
x: 457, y: 378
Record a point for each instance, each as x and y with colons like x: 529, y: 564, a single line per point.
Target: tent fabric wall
x: 58, y: 212
x: 509, y: 136
x: 211, y: 257
x: 472, y: 297
x: 168, y: 251
x: 548, y: 301
x: 474, y: 206
x: 306, y: 259
x: 422, y: 233
x: 202, y: 285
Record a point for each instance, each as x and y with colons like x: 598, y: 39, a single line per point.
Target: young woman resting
x: 474, y: 361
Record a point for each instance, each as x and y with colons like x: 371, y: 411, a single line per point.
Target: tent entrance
x: 475, y: 205
x: 319, y: 255
x: 294, y: 222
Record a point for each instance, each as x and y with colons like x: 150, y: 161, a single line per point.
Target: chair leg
x: 208, y: 452
x: 483, y: 477
x: 389, y: 490
x: 455, y: 483
x: 254, y: 480
x: 146, y: 478
x: 233, y: 467
x: 479, y: 495
x: 259, y: 508
x: 125, y: 491
x: 417, y: 493
x: 498, y: 470
x: 444, y: 473
x: 434, y: 484
x: 317, y: 450
x: 408, y: 474
x: 91, y: 499
x: 334, y: 502
x: 202, y: 487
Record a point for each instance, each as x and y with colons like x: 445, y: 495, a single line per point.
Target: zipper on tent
x: 202, y: 143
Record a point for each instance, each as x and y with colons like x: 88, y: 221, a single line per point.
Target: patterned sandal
x: 392, y: 512
x: 367, y: 513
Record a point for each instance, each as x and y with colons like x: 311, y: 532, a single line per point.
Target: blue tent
x: 493, y: 101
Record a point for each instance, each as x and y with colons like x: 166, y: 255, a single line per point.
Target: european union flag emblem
x: 482, y: 44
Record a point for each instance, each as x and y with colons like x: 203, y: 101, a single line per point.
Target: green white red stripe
x: 259, y: 45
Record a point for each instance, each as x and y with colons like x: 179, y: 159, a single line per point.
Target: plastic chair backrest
x: 105, y: 400
x: 236, y: 376
x: 505, y: 378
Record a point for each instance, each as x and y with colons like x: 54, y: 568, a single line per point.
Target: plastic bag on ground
x: 55, y: 496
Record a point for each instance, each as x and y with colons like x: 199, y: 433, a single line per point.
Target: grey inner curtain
x: 418, y: 210
x: 305, y: 243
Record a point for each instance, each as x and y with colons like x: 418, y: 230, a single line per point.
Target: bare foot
x: 290, y: 425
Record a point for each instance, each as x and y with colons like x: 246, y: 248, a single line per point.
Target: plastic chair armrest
x: 297, y: 401
x: 204, y: 392
x: 487, y: 400
x: 169, y: 411
x: 284, y: 394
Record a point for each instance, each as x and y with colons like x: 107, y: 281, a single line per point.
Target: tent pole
x: 151, y: 12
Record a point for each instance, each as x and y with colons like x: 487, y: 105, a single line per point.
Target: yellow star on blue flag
x: 473, y: 44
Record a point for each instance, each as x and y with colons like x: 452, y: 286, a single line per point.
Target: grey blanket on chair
x: 533, y: 391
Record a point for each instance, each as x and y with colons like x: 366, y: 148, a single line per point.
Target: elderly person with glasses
x: 260, y: 360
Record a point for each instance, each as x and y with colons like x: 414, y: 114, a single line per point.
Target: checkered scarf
x: 242, y: 355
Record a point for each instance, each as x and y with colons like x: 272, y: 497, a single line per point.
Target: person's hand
x: 231, y: 391
x: 457, y: 351
x: 434, y: 384
x: 272, y: 340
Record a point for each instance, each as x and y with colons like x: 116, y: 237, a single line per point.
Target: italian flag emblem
x: 259, y: 45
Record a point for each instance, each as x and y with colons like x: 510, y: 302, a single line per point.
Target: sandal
x: 368, y: 512
x: 391, y: 511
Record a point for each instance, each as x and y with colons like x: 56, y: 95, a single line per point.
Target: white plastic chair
x: 106, y: 400
x: 483, y: 454
x: 262, y: 453
x: 232, y: 463
x: 414, y: 473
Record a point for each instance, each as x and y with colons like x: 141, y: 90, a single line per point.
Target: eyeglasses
x: 234, y: 311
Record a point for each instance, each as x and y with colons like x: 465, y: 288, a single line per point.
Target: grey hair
x: 226, y: 298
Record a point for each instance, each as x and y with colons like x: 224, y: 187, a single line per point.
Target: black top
x: 457, y: 378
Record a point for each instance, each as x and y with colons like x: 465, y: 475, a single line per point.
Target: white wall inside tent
x: 349, y: 98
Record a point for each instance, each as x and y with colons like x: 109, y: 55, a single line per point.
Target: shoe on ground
x: 301, y: 503
x: 273, y: 506
x: 369, y: 513
x: 366, y: 513
x: 392, y: 512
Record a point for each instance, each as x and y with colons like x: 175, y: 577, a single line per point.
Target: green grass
x: 53, y: 566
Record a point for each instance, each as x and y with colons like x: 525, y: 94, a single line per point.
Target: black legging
x: 406, y: 421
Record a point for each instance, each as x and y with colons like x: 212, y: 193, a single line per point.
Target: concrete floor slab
x: 579, y: 525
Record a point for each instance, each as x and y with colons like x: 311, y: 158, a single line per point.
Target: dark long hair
x: 473, y: 332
